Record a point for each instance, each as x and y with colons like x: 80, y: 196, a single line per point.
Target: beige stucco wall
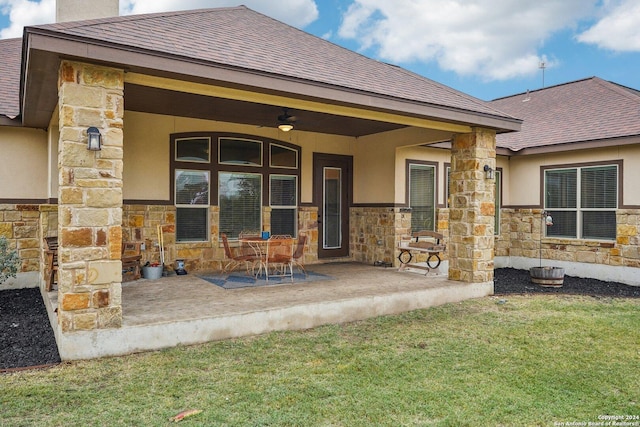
x: 146, y: 150
x: 383, y: 155
x: 53, y: 138
x: 146, y: 155
x: 23, y: 174
x: 524, y: 177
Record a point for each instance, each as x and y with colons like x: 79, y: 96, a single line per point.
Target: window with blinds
x: 236, y: 171
x: 582, y: 201
x: 422, y: 196
x: 240, y: 201
x: 192, y: 205
x: 283, y: 199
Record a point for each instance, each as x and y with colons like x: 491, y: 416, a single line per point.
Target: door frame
x: 345, y: 163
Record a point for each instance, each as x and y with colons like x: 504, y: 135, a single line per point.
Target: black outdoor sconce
x: 94, y: 139
x: 488, y: 172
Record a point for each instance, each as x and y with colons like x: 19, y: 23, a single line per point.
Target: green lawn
x: 527, y: 361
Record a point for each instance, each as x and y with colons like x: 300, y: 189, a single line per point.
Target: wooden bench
x: 426, y: 242
x: 51, y: 269
x: 131, y: 256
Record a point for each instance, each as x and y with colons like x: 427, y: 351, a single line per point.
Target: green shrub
x: 9, y: 260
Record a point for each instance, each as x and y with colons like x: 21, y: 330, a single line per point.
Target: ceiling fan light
x: 285, y: 127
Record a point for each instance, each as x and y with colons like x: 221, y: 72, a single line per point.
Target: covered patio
x: 186, y: 145
x: 185, y: 310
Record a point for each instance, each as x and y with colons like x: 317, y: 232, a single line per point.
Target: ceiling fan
x: 286, y: 120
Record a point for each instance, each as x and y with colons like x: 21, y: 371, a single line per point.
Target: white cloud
x: 25, y: 12
x: 618, y: 30
x: 493, y: 39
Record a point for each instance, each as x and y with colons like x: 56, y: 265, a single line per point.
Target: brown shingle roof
x: 244, y: 39
x: 585, y: 110
x: 10, y: 52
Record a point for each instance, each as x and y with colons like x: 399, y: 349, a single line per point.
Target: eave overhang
x: 573, y: 146
x: 43, y: 50
x: 12, y: 122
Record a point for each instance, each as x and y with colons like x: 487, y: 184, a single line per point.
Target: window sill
x: 578, y: 242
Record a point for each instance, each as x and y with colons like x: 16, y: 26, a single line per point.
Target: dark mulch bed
x: 512, y: 281
x: 26, y: 338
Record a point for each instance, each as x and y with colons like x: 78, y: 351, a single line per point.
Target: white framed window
x: 242, y: 174
x: 196, y: 150
x: 282, y: 157
x: 283, y: 199
x: 192, y: 189
x: 582, y: 201
x: 422, y: 196
x: 239, y: 151
x: 240, y: 202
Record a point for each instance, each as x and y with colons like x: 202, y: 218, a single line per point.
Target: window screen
x: 422, y: 196
x: 582, y: 202
x: 192, y: 205
x: 240, y: 201
x: 284, y: 201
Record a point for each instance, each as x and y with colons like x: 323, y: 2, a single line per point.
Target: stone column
x: 472, y: 210
x: 89, y: 197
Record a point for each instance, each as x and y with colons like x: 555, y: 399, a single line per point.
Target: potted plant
x: 552, y: 277
x: 152, y: 270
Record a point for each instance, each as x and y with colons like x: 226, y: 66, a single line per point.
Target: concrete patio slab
x: 185, y: 310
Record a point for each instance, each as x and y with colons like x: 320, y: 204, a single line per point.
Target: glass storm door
x: 331, y: 209
x: 332, y: 182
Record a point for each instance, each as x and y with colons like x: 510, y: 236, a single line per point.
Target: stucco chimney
x: 78, y: 10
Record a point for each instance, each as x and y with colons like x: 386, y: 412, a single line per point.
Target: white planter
x: 150, y: 272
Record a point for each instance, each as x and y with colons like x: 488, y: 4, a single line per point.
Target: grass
x: 532, y: 360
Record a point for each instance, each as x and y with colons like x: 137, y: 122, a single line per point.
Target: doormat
x: 242, y: 280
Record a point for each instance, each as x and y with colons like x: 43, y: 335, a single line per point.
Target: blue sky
x: 486, y: 48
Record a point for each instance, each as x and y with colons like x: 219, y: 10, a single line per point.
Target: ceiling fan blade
x: 286, y: 117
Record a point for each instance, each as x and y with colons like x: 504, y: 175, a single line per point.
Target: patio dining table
x: 274, y: 254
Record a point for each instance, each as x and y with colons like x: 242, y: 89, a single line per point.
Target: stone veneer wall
x: 372, y: 233
x: 520, y: 237
x: 472, y: 207
x: 90, y: 197
x: 19, y: 224
x: 308, y: 224
x: 376, y: 233
x: 140, y: 224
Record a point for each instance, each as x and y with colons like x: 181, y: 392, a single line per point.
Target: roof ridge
x: 529, y: 91
x: 453, y: 91
x: 140, y: 16
x: 619, y: 89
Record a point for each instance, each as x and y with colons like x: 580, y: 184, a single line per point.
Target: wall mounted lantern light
x: 488, y: 172
x: 94, y: 139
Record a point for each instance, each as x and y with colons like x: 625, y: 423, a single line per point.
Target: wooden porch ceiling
x: 175, y: 103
